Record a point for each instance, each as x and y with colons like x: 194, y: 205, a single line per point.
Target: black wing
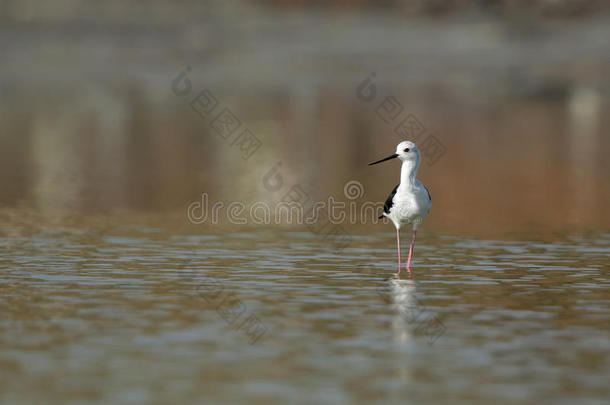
x: 429, y: 196
x: 389, y: 202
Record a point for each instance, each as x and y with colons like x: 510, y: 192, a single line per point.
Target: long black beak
x: 394, y: 156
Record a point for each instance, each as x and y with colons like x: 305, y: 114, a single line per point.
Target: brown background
x: 515, y: 92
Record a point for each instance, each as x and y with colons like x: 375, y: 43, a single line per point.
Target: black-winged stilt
x: 410, y: 201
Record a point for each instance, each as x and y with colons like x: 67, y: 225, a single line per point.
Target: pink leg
x: 398, y: 243
x: 411, y: 250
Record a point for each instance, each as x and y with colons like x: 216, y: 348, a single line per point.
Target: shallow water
x: 142, y: 316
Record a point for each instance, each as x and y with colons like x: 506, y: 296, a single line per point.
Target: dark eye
x: 406, y: 150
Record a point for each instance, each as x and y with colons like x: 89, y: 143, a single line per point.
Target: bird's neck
x: 408, y: 172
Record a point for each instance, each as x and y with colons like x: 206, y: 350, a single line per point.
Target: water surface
x: 140, y: 315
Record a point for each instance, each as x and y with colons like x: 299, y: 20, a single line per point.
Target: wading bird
x: 410, y: 201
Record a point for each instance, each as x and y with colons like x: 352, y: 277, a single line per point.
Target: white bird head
x: 405, y: 151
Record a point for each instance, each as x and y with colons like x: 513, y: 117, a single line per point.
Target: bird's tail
x: 381, y: 216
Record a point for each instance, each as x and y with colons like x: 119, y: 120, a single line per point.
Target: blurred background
x: 115, y: 116
x: 514, y: 92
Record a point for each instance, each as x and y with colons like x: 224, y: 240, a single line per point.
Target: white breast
x: 410, y: 205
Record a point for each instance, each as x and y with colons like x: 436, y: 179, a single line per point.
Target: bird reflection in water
x: 412, y: 318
